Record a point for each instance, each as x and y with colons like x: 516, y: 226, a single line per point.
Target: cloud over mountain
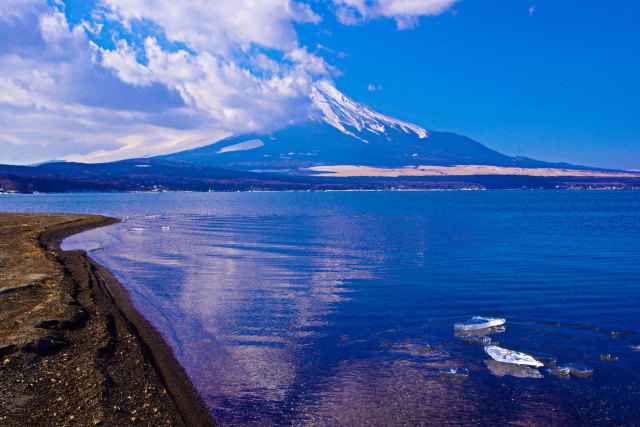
x: 125, y: 76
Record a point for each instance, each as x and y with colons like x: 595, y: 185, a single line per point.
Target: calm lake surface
x: 338, y: 308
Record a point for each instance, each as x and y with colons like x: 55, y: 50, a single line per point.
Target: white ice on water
x: 509, y: 356
x: 479, y: 322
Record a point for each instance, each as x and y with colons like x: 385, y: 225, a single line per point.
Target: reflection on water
x: 338, y: 309
x: 501, y: 369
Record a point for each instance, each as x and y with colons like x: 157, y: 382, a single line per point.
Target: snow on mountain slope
x: 341, y: 131
x: 335, y: 108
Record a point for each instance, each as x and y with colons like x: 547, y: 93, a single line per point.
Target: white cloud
x: 230, y: 95
x: 152, y: 140
x: 91, y: 135
x: 16, y: 9
x: 224, y: 68
x: 219, y: 26
x: 13, y: 93
x: 233, y: 70
x: 55, y: 100
x: 405, y: 12
x: 136, y: 77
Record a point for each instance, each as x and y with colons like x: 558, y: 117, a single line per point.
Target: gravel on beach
x: 73, y: 351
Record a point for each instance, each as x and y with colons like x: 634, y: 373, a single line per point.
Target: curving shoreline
x: 73, y: 349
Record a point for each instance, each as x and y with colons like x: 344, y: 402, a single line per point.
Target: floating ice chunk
x: 478, y: 322
x: 501, y: 369
x: 509, y: 356
x: 635, y: 347
x: 137, y: 229
x: 580, y: 370
x: 454, y: 374
x: 608, y: 358
x: 559, y: 371
x: 165, y: 228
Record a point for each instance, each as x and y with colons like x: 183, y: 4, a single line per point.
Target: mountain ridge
x: 342, y: 131
x: 158, y: 175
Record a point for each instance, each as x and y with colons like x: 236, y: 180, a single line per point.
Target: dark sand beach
x: 73, y: 351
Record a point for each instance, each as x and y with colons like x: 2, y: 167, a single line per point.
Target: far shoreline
x: 364, y: 190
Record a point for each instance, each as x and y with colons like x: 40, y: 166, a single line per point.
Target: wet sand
x: 73, y: 350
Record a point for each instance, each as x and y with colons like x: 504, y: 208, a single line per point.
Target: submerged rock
x: 580, y: 370
x: 559, y: 371
x: 476, y: 339
x: 545, y: 359
x: 608, y: 358
x: 501, y: 369
x: 422, y: 350
x: 457, y: 375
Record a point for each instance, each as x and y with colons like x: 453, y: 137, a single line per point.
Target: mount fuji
x: 340, y: 132
x: 344, y: 145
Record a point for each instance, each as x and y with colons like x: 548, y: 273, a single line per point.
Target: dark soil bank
x: 73, y: 351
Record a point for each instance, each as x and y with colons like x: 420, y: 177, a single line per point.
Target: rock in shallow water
x: 501, y: 369
x: 559, y: 371
x: 580, y: 370
x: 457, y: 375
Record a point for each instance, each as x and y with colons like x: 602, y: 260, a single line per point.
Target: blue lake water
x: 338, y: 308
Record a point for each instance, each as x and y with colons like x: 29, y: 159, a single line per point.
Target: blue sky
x: 559, y: 84
x: 107, y: 79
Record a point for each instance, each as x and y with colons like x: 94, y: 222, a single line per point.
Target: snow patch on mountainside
x: 243, y: 146
x: 333, y: 107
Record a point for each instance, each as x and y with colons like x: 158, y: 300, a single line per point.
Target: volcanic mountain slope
x: 341, y: 131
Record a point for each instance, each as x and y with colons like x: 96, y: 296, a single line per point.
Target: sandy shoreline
x: 350, y: 171
x: 73, y: 350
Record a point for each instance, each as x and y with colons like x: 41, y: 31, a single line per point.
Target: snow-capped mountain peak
x: 335, y: 108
